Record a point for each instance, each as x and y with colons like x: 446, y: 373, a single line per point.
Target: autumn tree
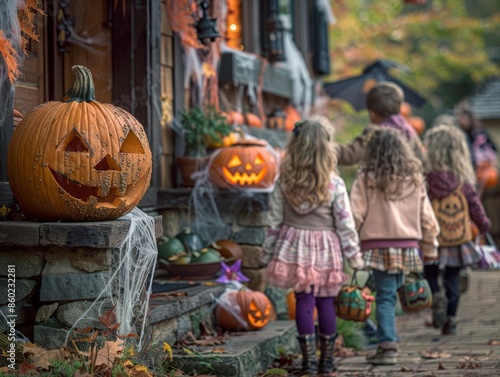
x: 440, y: 43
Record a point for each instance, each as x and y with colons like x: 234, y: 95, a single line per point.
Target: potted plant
x: 198, y: 127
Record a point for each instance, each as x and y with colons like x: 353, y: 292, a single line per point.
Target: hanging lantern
x: 276, y: 31
x: 277, y: 119
x: 206, y: 26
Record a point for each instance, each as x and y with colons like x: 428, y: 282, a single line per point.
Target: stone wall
x: 60, y: 270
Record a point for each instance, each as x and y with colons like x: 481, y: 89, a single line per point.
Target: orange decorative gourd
x: 253, y: 120
x: 228, y: 249
x: 78, y: 159
x: 417, y: 123
x: 235, y: 118
x: 405, y: 109
x: 243, y: 310
x: 292, y: 117
x: 246, y: 164
x: 487, y: 176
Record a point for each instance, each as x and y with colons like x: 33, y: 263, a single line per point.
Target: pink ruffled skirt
x: 306, y: 258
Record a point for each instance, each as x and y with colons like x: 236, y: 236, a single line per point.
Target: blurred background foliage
x: 450, y: 49
x: 449, y: 46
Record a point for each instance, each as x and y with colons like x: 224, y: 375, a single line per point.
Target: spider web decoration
x: 129, y: 284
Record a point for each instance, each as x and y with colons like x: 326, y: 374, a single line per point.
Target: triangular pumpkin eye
x: 74, y: 143
x: 235, y: 161
x: 253, y: 306
x: 132, y: 144
x: 258, y: 160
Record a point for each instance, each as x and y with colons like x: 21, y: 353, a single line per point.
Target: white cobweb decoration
x: 130, y: 280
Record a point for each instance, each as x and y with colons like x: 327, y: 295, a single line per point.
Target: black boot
x: 308, y: 347
x: 327, y: 344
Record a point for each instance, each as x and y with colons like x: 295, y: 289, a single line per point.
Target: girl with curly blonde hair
x: 311, y: 227
x: 395, y: 221
x: 451, y: 180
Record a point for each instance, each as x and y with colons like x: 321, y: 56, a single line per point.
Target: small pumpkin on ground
x: 78, y: 159
x: 243, y: 310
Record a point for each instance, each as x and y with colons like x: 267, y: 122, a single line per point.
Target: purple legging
x: 304, y: 314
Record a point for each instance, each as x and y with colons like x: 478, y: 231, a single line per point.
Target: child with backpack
x: 395, y: 222
x: 451, y: 180
x: 311, y: 230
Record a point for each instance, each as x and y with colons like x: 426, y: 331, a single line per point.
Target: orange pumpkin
x: 292, y: 117
x: 228, y: 140
x: 243, y: 310
x: 235, y: 118
x: 253, y: 120
x: 417, y: 123
x: 291, y: 303
x: 228, y: 249
x: 487, y: 176
x: 246, y: 164
x: 78, y: 159
x: 405, y: 109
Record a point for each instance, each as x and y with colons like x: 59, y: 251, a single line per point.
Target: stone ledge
x: 247, y: 354
x: 101, y: 234
x: 171, y: 307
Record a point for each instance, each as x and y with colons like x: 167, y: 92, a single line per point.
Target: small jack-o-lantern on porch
x: 246, y: 164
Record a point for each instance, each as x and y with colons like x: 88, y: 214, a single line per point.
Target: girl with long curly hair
x: 311, y: 227
x: 451, y: 181
x: 396, y: 224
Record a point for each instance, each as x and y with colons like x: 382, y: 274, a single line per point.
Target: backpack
x: 452, y: 213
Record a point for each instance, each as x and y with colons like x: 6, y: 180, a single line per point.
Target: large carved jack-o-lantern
x: 246, y: 164
x: 243, y: 310
x: 79, y: 160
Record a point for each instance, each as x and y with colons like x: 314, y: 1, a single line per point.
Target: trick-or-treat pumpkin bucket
x: 353, y: 302
x: 415, y: 294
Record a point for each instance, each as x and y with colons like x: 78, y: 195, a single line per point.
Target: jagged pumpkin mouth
x: 244, y: 178
x: 86, y: 193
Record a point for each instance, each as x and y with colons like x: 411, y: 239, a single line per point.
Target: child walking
x: 383, y: 102
x: 450, y: 179
x: 395, y: 220
x: 311, y: 226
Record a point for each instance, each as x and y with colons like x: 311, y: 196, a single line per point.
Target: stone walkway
x: 474, y: 351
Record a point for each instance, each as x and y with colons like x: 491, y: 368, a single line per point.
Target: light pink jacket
x: 399, y: 220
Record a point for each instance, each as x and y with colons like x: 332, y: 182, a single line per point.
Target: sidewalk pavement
x: 474, y: 351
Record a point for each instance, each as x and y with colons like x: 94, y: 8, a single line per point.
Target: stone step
x: 246, y: 354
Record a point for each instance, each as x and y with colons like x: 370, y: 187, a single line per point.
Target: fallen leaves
x: 494, y: 342
x: 468, y: 363
x: 435, y: 354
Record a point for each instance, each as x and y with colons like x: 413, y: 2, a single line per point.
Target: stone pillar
x: 60, y: 270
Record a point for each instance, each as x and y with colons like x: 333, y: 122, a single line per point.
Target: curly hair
x: 447, y: 150
x: 388, y: 161
x: 309, y: 162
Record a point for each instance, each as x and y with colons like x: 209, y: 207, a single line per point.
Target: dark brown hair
x: 385, y: 99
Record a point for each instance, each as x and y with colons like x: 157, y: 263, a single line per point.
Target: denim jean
x: 386, y: 289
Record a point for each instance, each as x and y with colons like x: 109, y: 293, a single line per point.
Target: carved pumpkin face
x: 244, y: 165
x: 244, y: 310
x: 452, y: 213
x: 354, y: 303
x: 79, y: 160
x: 258, y: 317
x: 415, y: 295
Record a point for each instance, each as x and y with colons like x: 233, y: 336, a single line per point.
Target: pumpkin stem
x: 83, y: 89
